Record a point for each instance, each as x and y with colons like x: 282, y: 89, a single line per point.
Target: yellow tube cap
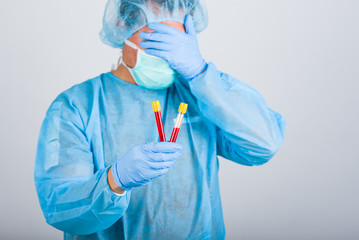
x: 156, y: 106
x: 183, y: 108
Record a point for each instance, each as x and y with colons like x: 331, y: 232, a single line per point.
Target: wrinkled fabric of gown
x: 88, y: 127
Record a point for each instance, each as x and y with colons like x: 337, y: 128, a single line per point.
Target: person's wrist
x: 199, y: 70
x: 112, y: 184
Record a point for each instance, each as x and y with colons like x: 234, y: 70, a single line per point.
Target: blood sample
x: 157, y: 110
x: 181, y: 112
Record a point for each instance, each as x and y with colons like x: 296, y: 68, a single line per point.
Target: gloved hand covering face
x: 144, y: 162
x: 179, y: 49
x: 122, y: 18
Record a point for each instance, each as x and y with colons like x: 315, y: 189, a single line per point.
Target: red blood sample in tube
x: 160, y: 129
x: 157, y: 110
x: 174, y: 134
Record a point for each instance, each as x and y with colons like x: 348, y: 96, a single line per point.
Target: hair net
x: 122, y: 18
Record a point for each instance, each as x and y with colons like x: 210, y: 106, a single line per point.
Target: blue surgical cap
x: 122, y: 18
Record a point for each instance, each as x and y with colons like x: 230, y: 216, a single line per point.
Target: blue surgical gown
x: 88, y: 127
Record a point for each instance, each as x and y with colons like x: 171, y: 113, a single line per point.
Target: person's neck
x: 123, y: 73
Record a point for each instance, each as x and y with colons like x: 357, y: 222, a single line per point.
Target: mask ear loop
x: 132, y: 45
x: 120, y: 61
x: 128, y: 68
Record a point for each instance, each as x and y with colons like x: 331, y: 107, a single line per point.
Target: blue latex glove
x: 144, y: 162
x: 179, y: 49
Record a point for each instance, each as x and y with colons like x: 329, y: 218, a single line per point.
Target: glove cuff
x: 203, y: 66
x: 116, y: 178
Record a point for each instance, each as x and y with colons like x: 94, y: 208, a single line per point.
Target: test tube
x: 157, y: 110
x: 181, y: 112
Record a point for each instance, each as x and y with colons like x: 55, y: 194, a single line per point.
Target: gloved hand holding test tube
x: 157, y: 110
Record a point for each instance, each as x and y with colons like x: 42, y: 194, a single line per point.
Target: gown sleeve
x: 73, y: 196
x: 248, y: 132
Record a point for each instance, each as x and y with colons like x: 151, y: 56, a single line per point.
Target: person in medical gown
x: 101, y: 172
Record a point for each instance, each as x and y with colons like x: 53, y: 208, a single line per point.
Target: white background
x: 303, y: 56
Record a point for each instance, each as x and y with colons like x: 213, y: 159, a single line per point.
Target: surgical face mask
x: 150, y: 72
